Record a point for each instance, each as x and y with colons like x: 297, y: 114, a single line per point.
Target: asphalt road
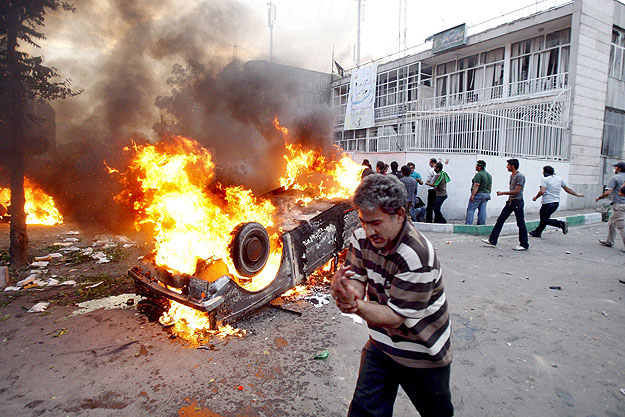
x: 520, y: 348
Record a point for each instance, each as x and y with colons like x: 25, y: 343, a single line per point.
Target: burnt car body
x: 311, y: 236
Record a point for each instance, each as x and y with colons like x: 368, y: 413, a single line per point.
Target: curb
x: 508, y: 228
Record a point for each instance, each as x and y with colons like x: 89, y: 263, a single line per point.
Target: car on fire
x: 311, y: 235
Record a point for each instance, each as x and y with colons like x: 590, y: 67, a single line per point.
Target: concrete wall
x: 591, y: 35
x: 461, y: 169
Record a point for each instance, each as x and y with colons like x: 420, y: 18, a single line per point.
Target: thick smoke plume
x: 148, y: 72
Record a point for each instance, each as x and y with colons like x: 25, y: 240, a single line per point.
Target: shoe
x: 565, y: 227
x: 520, y: 248
x: 605, y: 243
x: 622, y: 281
x: 533, y: 234
x: 488, y: 242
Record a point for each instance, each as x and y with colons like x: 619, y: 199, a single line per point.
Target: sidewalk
x: 573, y: 217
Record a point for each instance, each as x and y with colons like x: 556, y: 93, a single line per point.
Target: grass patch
x: 5, y: 258
x: 114, y: 254
x: 111, y: 285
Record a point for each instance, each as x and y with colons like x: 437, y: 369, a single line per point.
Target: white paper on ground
x: 39, y: 307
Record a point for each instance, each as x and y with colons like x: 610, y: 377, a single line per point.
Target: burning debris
x: 40, y: 207
x: 219, y: 249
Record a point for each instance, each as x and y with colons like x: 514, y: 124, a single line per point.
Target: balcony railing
x: 531, y: 87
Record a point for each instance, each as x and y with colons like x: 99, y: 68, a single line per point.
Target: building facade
x: 545, y: 89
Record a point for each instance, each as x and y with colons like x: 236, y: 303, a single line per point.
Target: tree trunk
x: 18, y: 248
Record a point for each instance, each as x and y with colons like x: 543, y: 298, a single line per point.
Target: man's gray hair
x: 384, y: 191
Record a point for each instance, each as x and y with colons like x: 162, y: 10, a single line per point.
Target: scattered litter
x: 12, y: 288
x: 108, y: 303
x: 139, y: 258
x: 357, y: 319
x: 39, y: 307
x: 110, y: 245
x: 62, y: 244
x: 210, y: 381
x: 40, y: 264
x: 101, y: 257
x: 604, y: 313
x: 322, y: 355
x: 73, y: 232
x: 71, y: 239
x: 87, y: 251
x: 60, y: 332
x: 448, y: 242
x: 26, y: 280
x: 318, y: 300
x: 33, y: 285
x: 128, y: 245
x: 94, y: 285
x: 55, y: 255
x: 568, y: 252
x: 509, y: 344
x: 40, y: 283
x: 555, y: 287
x: 52, y: 282
x: 43, y: 258
x: 69, y: 282
x: 70, y: 249
x: 240, y: 388
x: 622, y: 391
x: 553, y: 365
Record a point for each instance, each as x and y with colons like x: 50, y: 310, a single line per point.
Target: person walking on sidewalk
x: 549, y: 190
x: 617, y: 219
x: 431, y: 191
x: 480, y: 194
x: 439, y: 184
x: 514, y: 204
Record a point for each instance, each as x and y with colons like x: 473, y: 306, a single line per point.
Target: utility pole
x: 358, y: 34
x: 271, y: 18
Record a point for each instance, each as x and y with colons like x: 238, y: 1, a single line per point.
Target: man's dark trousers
x: 430, y: 206
x: 511, y: 206
x: 546, y: 210
x: 380, y: 377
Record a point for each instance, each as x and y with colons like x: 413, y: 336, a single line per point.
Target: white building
x: 546, y: 89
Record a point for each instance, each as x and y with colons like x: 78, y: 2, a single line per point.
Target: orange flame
x: 39, y: 207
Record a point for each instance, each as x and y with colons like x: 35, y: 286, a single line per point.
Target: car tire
x: 250, y: 248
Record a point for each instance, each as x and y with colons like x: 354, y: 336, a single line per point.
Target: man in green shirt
x: 480, y: 193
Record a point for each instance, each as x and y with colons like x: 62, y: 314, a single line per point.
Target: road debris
x: 60, y: 332
x: 114, y: 302
x: 357, y: 319
x: 322, y: 355
x: 555, y: 287
x: 39, y: 307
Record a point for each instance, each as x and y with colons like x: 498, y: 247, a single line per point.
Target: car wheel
x: 250, y: 248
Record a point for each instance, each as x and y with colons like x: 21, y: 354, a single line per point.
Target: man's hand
x: 472, y: 198
x: 499, y: 193
x: 343, y: 291
x: 534, y: 199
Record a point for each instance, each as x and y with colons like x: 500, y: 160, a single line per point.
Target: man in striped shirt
x: 405, y: 306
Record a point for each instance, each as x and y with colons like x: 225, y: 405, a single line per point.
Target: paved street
x: 520, y: 348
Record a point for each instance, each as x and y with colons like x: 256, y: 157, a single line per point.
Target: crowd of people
x: 480, y: 195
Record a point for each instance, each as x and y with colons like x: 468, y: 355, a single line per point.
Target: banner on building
x: 360, y: 111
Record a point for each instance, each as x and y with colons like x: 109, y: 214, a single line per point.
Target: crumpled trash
x: 52, y: 282
x: 40, y: 264
x: 555, y: 287
x: 69, y: 282
x: 73, y: 232
x: 29, y: 279
x: 39, y: 307
x: 322, y: 355
x: 12, y: 288
x: 71, y: 239
x: 94, y: 285
x: 357, y: 319
x: 318, y: 300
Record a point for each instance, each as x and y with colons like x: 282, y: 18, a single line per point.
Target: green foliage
x: 77, y: 257
x: 5, y: 258
x: 114, y: 254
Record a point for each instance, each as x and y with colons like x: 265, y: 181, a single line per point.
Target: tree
x: 22, y: 78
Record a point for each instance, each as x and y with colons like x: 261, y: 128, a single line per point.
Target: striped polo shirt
x: 409, y: 280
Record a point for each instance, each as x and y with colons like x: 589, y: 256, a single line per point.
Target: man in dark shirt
x: 480, y: 194
x: 514, y: 204
x: 396, y: 267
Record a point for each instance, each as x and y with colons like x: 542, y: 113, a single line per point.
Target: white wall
x: 461, y: 169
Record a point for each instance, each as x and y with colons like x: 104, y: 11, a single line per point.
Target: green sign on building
x: 449, y: 39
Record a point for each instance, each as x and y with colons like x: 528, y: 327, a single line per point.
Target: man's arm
x: 476, y: 186
x: 347, y: 291
x: 604, y: 195
x: 541, y: 191
x: 570, y: 191
x: 516, y: 191
x: 378, y: 314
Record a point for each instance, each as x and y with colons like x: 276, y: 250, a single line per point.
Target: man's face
x: 617, y: 170
x: 432, y: 164
x: 509, y: 167
x: 411, y: 168
x: 477, y: 167
x: 381, y: 228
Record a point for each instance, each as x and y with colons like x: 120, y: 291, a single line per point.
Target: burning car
x: 311, y: 236
x: 222, y: 251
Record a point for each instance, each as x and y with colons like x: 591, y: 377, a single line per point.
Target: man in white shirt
x: 431, y: 191
x: 549, y: 190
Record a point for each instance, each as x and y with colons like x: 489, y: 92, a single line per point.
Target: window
x: 540, y: 63
x: 472, y: 78
x: 617, y: 54
x: 339, y: 103
x: 613, y: 133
